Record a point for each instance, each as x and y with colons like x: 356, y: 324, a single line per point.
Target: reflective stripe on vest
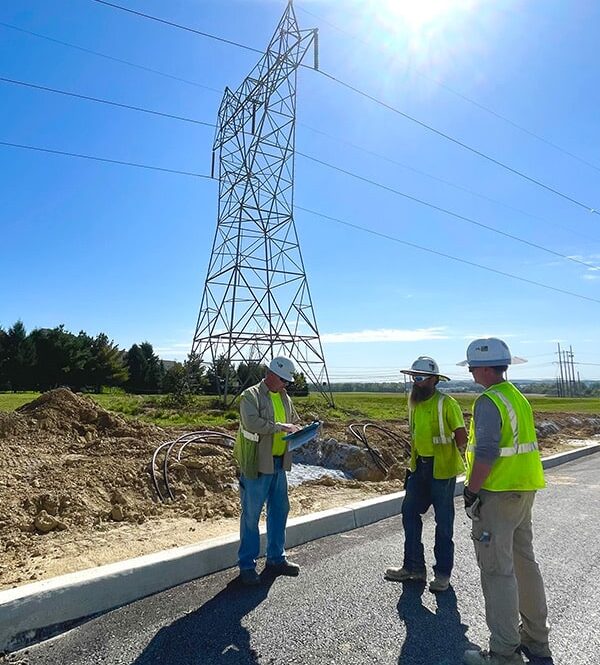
x: 517, y: 448
x: 508, y: 451
x: 441, y: 439
x: 250, y: 435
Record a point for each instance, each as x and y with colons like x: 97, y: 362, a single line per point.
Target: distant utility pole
x: 256, y: 302
x: 567, y: 384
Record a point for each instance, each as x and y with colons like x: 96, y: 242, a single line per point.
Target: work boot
x: 537, y: 652
x: 404, y: 575
x: 249, y: 577
x: 535, y: 659
x: 439, y: 583
x: 283, y: 568
x: 473, y: 657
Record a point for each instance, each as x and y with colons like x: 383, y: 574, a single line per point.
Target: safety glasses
x: 419, y: 379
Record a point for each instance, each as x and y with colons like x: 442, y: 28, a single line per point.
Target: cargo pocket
x: 485, y: 550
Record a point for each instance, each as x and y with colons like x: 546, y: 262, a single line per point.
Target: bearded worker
x: 437, y: 428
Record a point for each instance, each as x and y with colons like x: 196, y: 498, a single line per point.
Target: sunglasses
x: 419, y: 379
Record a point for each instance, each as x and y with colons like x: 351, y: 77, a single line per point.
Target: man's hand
x: 290, y: 428
x: 472, y: 504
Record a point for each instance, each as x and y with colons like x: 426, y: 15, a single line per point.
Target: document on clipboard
x: 303, y: 435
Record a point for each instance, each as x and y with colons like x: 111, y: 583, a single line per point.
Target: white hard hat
x: 489, y: 352
x: 424, y: 365
x: 283, y: 367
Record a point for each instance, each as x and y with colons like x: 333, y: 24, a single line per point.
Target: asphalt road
x: 341, y: 610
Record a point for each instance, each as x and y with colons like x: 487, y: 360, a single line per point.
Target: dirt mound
x: 76, y: 487
x: 70, y: 468
x: 62, y: 412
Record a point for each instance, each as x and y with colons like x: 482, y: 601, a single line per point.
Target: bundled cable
x: 177, y: 447
x: 359, y: 431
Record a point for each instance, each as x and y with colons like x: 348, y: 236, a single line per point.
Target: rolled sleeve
x: 488, y: 426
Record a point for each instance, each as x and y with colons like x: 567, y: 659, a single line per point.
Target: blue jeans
x: 271, y: 488
x: 422, y: 491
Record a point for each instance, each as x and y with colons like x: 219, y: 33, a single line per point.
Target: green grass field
x: 201, y: 410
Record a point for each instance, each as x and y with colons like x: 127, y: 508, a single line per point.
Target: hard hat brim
x: 513, y: 360
x: 412, y: 372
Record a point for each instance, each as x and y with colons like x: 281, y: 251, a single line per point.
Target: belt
x: 278, y: 456
x: 424, y: 460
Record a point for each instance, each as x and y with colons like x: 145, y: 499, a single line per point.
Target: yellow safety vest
x: 435, y: 417
x: 519, y: 466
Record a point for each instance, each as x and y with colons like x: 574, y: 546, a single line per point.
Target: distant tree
x: 146, y: 371
x: 174, y: 380
x: 299, y: 387
x: 106, y: 364
x: 250, y: 373
x: 155, y: 369
x: 61, y: 358
x: 4, y: 385
x: 19, y: 358
x: 219, y: 373
x: 195, y: 371
x: 136, y: 366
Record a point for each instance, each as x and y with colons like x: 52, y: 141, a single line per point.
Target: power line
x: 438, y: 132
x: 316, y: 160
x: 104, y: 159
x: 312, y: 212
x: 445, y: 211
x: 366, y: 95
x: 109, y: 57
x: 444, y: 181
x: 212, y: 125
x: 464, y: 97
x: 332, y: 166
x: 444, y: 255
x: 105, y: 101
x: 178, y: 25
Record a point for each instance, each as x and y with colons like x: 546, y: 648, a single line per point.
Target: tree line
x: 47, y: 358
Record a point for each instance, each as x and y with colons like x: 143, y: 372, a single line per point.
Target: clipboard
x: 303, y: 435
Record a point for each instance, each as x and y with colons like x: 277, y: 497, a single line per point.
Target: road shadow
x: 211, y: 634
x: 432, y: 638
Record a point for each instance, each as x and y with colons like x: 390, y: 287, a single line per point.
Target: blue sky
x: 123, y: 250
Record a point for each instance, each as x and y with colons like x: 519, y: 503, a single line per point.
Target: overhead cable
x: 464, y: 97
x: 312, y: 212
x: 461, y: 188
x: 374, y: 99
x: 105, y: 101
x: 386, y: 236
x: 438, y: 132
x: 109, y: 57
x: 445, y: 211
x: 332, y: 166
x: 177, y: 25
x: 104, y: 159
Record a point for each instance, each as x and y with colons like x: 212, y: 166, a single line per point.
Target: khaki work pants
x: 512, y: 585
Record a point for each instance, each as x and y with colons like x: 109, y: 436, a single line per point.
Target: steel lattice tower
x: 256, y: 302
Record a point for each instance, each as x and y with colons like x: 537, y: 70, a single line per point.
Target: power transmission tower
x: 256, y: 302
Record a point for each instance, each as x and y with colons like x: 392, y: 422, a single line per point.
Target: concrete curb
x: 34, y: 612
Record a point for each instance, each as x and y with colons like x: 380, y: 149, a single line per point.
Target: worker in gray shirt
x: 504, y: 471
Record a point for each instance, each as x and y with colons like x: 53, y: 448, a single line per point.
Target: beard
x: 420, y: 394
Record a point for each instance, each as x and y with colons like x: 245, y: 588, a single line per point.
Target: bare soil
x: 76, y: 488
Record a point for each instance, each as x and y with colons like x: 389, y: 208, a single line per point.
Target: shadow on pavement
x: 211, y: 634
x: 431, y: 638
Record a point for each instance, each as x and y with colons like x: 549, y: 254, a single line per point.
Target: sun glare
x: 416, y: 15
x: 429, y: 33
